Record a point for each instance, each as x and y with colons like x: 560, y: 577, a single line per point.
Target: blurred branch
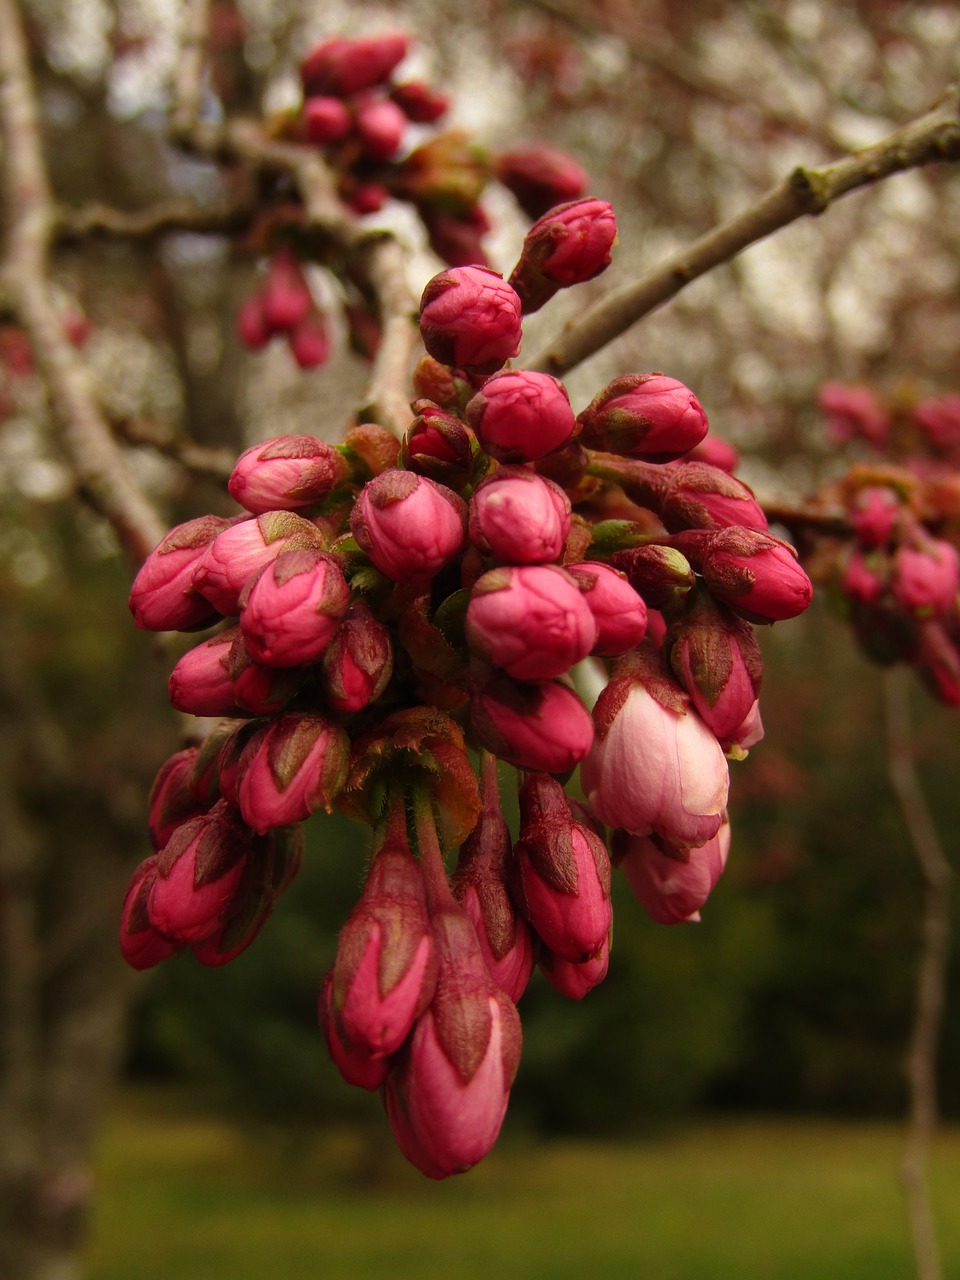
x: 101, y: 221
x: 200, y: 459
x: 802, y: 518
x: 921, y: 1065
x: 805, y: 192
x: 97, y: 461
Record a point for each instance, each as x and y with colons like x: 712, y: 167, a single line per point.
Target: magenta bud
x: 310, y: 340
x: 380, y: 126
x: 292, y: 609
x: 864, y: 577
x: 530, y: 620
x: 541, y: 726
x: 237, y: 553
x: 521, y: 415
x: 457, y: 239
x: 141, y: 944
x: 258, y: 688
x: 540, y: 177
x: 437, y: 445
x: 173, y: 799
x: 357, y: 1065
x: 252, y: 327
x: 939, y: 420
x: 671, y: 889
x: 875, y: 515
x: 198, y: 873
x: 853, y: 411
x: 287, y: 473
x: 715, y: 451
x: 409, y: 526
x: 342, y: 67
x: 324, y: 120
x: 420, y: 103
x: 575, y: 979
x: 286, y: 297
x: 517, y: 517
x: 618, y: 611
x: 367, y: 197
x: 294, y: 765
x: 696, y: 495
x: 926, y: 578
x: 938, y: 660
x: 568, y: 245
x: 756, y: 574
x: 470, y: 318
x: 163, y: 597
x: 716, y: 657
x: 358, y: 663
x: 644, y: 415
x: 201, y: 683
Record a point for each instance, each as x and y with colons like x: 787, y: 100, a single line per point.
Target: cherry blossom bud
x: 342, y: 67
x: 258, y: 688
x: 716, y: 657
x: 746, y: 735
x: 201, y: 683
x: 716, y: 452
x: 409, y: 526
x: 755, y: 574
x: 541, y: 726
x: 141, y: 944
x: 661, y: 575
x: 358, y: 1065
x: 310, y: 340
x: 287, y: 473
x: 572, y: 978
x: 671, y: 889
x: 470, y: 318
x: 286, y: 296
x: 238, y: 552
x: 173, y: 800
x: 380, y: 126
x: 458, y: 239
x: 939, y: 419
x: 540, y: 177
x: 371, y: 448
x: 561, y: 873
x: 531, y: 620
x: 291, y: 611
x: 163, y: 597
x: 875, y: 515
x: 439, y: 384
x: 864, y: 577
x: 938, y: 659
x: 517, y: 517
x: 420, y: 103
x: 568, y: 245
x: 644, y: 415
x: 385, y: 972
x: 324, y: 120
x: 521, y: 415
x: 252, y: 327
x: 293, y: 766
x: 698, y: 496
x: 198, y: 872
x: 367, y: 197
x: 926, y: 577
x: 447, y: 1094
x: 446, y: 175
x: 853, y: 411
x: 654, y: 765
x: 618, y: 611
x: 437, y: 445
x: 358, y: 663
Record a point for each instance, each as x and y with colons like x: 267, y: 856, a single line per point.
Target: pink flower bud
x: 521, y: 415
x: 286, y: 296
x: 938, y: 659
x: 358, y: 663
x: 141, y: 945
x: 568, y: 245
x: 324, y: 120
x: 409, y: 526
x: 252, y: 327
x: 663, y: 576
x: 654, y: 765
x: 671, y: 889
x: 437, y: 445
x: 716, y: 452
x: 618, y: 611
x: 541, y: 726
x: 561, y: 873
x: 258, y: 688
x: 531, y: 620
x: 380, y: 126
x: 864, y: 579
x: 939, y: 420
x: 198, y: 872
x: 875, y: 516
x: 644, y: 415
x: 517, y: 517
x: 853, y: 411
x: 367, y: 197
x: 357, y: 1065
x: 343, y: 67
x: 716, y: 657
x: 293, y: 766
x: 163, y: 597
x: 201, y: 683
x: 926, y: 578
x: 172, y: 799
x: 746, y: 735
x: 310, y: 340
x: 755, y: 574
x: 458, y: 239
x: 291, y: 611
x: 448, y: 1091
x: 287, y: 473
x: 540, y: 177
x: 698, y: 496
x: 237, y: 553
x: 470, y: 318
x: 575, y: 979
x: 420, y: 103
x: 385, y: 972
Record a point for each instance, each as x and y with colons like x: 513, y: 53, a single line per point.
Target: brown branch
x: 805, y: 192
x: 100, y: 221
x: 921, y: 1063
x: 200, y: 459
x: 96, y: 459
x: 387, y: 399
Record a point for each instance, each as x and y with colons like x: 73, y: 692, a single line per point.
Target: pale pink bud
x: 746, y: 735
x: 716, y: 657
x: 173, y: 799
x: 358, y: 663
x: 420, y: 103
x: 409, y: 526
x: 237, y: 553
x: 619, y: 612
x: 521, y: 415
x: 530, y: 620
x: 291, y: 611
x: 198, y: 872
x: 926, y: 578
x: 568, y: 245
x: 671, y: 889
x: 324, y: 120
x: 380, y: 126
x: 163, y: 597
x: 517, y: 517
x: 470, y: 318
x: 575, y: 979
x: 540, y: 177
x: 561, y: 873
x: 343, y: 67
x: 853, y: 411
x: 310, y: 340
x: 286, y: 296
x: 756, y: 574
x: 644, y: 415
x: 141, y: 945
x: 358, y: 1066
x: 293, y: 766
x: 696, y: 495
x: 287, y: 473
x: 541, y: 726
x: 252, y: 327
x: 654, y: 765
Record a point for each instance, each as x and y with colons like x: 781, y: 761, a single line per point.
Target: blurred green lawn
x: 186, y: 1197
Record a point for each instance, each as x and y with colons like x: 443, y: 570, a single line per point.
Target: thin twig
x: 101, y: 221
x: 805, y: 192
x: 200, y: 459
x: 921, y: 1063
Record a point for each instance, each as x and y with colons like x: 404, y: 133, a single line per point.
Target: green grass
x: 185, y: 1197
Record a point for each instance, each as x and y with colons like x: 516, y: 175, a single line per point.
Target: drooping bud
x: 644, y: 415
x: 470, y: 318
x: 286, y: 296
x: 540, y: 177
x: 358, y: 662
x: 259, y: 689
x: 575, y: 979
x: 756, y: 574
x: 437, y: 445
x: 237, y: 553
x: 294, y: 765
x: 291, y: 610
x: 518, y: 517
x: 568, y: 245
x: 252, y: 327
x: 173, y: 800
x: 287, y: 473
x: 357, y: 1065
x: 310, y: 340
x: 141, y: 944
x: 716, y: 657
x: 200, y: 683
x: 521, y: 415
x: 671, y: 889
x: 698, y: 496
x: 163, y: 597
x: 539, y: 725
x: 530, y: 620
x: 341, y: 67
x: 409, y: 526
x: 618, y: 611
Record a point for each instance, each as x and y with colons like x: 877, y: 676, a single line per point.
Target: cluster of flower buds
x: 384, y: 606
x: 283, y: 306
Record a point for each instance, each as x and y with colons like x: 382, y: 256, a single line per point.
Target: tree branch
x: 805, y: 192
x: 100, y: 221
